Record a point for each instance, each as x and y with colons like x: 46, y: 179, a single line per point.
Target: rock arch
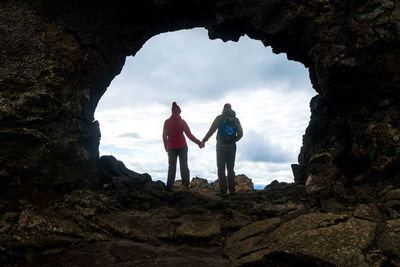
x: 58, y: 58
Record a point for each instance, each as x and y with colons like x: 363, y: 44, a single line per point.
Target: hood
x: 229, y: 113
x: 175, y: 116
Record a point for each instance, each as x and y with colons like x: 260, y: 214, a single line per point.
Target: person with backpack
x: 229, y: 132
x: 175, y: 145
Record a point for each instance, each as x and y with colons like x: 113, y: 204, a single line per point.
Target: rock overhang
x: 60, y: 57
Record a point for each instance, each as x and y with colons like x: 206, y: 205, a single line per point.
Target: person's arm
x: 239, y: 130
x: 213, y: 128
x: 164, y: 136
x: 189, y: 134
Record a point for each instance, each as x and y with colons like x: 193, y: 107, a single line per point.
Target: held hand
x: 201, y: 145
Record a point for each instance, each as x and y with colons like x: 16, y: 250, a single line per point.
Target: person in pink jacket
x: 176, y: 146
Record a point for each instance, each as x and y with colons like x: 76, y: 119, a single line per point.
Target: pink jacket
x: 173, y: 137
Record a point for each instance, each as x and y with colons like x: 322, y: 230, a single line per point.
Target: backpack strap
x: 221, y: 127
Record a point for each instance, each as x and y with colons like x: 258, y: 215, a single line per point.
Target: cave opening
x: 269, y: 93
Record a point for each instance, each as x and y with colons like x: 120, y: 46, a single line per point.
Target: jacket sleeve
x: 164, y: 136
x: 189, y: 134
x: 239, y: 130
x: 213, y: 128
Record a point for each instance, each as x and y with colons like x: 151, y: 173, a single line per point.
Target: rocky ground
x: 283, y: 225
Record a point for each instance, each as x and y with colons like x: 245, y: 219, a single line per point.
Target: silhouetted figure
x: 176, y: 146
x: 229, y: 132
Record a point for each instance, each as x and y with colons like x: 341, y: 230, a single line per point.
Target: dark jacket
x: 216, y: 125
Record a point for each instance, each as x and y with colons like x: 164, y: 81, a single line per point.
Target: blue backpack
x: 228, y: 130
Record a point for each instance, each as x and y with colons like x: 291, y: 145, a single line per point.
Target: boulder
x: 201, y: 184
x: 338, y: 240
x: 113, y: 171
x: 389, y: 241
x: 242, y: 184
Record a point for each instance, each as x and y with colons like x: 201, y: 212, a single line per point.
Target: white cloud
x: 130, y: 135
x: 269, y: 94
x: 258, y: 148
x: 189, y: 65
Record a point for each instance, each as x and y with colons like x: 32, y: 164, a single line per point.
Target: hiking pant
x: 183, y: 165
x: 226, y: 159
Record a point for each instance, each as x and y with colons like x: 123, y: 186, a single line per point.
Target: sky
x: 269, y: 94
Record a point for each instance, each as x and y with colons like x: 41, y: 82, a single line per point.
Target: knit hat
x: 227, y: 106
x: 175, y: 108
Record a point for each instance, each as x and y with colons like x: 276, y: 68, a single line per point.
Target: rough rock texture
x: 58, y: 57
x: 333, y: 238
x: 242, y: 184
x: 279, y: 226
x: 113, y: 173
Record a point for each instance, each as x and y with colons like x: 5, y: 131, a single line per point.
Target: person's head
x: 175, y: 108
x: 227, y: 106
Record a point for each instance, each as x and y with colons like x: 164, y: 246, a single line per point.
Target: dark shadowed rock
x: 201, y: 227
x: 113, y: 171
x: 337, y: 239
x: 276, y: 226
x: 59, y: 57
x: 389, y: 241
x: 369, y: 212
x: 122, y: 252
x: 138, y: 225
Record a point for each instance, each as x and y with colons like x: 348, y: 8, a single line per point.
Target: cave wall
x: 58, y: 58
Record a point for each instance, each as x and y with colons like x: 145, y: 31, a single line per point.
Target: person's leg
x: 172, y: 154
x: 230, y: 162
x: 221, y: 163
x: 183, y: 165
